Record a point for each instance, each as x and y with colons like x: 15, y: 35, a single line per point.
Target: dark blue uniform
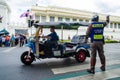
x: 51, y: 43
x: 53, y: 40
x: 54, y: 36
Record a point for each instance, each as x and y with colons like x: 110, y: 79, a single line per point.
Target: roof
x: 61, y: 24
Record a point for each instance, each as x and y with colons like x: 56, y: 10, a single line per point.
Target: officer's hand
x: 107, y: 19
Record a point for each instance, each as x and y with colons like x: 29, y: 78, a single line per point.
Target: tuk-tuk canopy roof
x: 78, y: 24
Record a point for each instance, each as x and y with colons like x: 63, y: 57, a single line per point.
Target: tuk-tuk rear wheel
x: 27, y: 60
x: 81, y: 56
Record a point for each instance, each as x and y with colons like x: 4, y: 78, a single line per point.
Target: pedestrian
x: 69, y: 37
x: 95, y: 32
x: 3, y: 40
x: 21, y: 40
x: 7, y: 41
x: 0, y: 41
x: 12, y: 40
x: 16, y: 39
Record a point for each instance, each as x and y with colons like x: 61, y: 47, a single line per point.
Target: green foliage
x: 111, y: 41
x: 106, y: 41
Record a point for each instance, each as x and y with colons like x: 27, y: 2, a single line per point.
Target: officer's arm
x: 88, y: 32
x: 107, y: 20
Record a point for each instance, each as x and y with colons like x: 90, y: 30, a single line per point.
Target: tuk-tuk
x: 39, y: 50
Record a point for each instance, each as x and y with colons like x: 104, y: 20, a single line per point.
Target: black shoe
x: 92, y: 71
x: 102, y: 68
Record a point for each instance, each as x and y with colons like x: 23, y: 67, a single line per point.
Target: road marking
x: 98, y: 76
x: 80, y: 67
x: 114, y: 78
x: 111, y: 72
x: 9, y: 49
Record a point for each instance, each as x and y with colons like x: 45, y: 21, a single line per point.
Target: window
x: 67, y: 19
x: 74, y: 20
x: 43, y: 19
x: 119, y: 25
x: 115, y: 25
x: 86, y: 20
x: 80, y: 20
x: 52, y: 18
x: 60, y: 18
x: 37, y: 17
x: 111, y: 25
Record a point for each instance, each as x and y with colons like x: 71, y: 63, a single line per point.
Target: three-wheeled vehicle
x: 39, y: 50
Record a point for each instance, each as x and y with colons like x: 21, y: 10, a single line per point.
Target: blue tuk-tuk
x: 39, y: 50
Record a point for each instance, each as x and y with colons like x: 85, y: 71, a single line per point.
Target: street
x: 11, y: 67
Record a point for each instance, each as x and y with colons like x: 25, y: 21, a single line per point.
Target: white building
x: 5, y: 14
x: 54, y: 13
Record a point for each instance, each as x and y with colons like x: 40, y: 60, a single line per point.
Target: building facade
x: 54, y: 14
x: 4, y: 14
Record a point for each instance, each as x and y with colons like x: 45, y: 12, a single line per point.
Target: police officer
x: 95, y: 32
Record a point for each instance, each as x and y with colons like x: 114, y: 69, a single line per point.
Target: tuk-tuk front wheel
x: 81, y: 56
x: 27, y: 59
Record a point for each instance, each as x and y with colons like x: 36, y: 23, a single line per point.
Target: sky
x: 110, y: 7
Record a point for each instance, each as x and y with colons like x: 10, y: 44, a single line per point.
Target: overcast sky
x: 111, y: 7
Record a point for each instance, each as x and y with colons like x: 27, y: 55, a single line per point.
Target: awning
x: 4, y: 31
